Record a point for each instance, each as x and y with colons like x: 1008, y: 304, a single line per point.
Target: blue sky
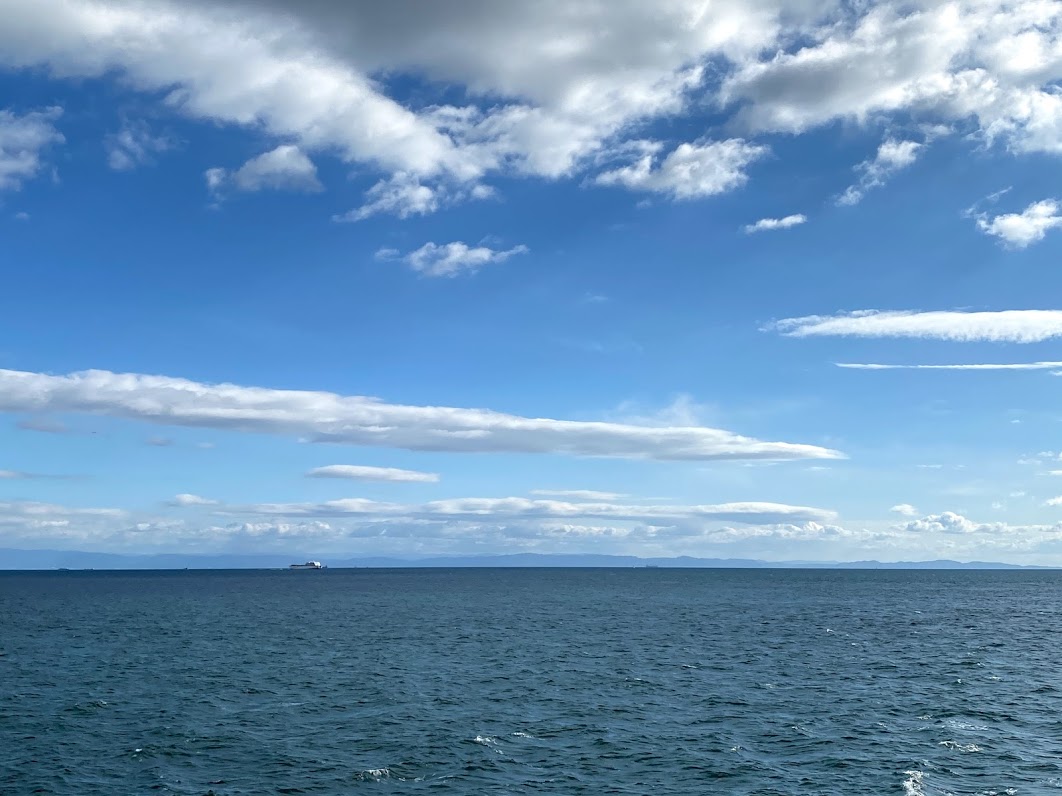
x: 564, y: 278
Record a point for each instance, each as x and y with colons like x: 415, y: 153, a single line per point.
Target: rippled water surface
x: 637, y: 681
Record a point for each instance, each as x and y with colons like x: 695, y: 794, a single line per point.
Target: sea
x: 633, y: 681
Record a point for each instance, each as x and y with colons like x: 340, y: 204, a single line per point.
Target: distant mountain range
x: 11, y: 559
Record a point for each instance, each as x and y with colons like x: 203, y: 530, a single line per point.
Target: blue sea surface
x: 473, y: 681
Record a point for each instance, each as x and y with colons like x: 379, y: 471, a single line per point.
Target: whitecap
x: 958, y: 724
x: 961, y: 747
x: 912, y: 786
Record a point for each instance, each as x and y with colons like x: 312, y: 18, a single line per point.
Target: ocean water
x: 635, y: 681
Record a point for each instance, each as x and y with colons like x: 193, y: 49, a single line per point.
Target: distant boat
x: 309, y: 565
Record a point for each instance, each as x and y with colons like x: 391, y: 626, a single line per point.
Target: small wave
x: 519, y: 734
x: 961, y: 747
x: 486, y: 740
x: 959, y: 724
x: 912, y: 786
x: 374, y: 774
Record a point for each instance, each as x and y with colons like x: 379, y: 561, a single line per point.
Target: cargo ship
x: 308, y: 565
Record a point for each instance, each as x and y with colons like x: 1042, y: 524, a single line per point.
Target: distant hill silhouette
x: 11, y: 559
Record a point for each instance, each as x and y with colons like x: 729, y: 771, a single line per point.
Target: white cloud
x: 578, y: 494
x: 776, y: 223
x: 552, y: 88
x: 159, y: 442
x: 22, y: 215
x: 358, y: 472
x: 906, y: 509
x: 557, y: 82
x: 450, y: 259
x: 30, y: 513
x: 1019, y: 230
x: 184, y: 500
x: 988, y: 64
x: 1010, y: 326
x: 891, y: 156
x: 949, y: 522
x: 978, y: 366
x: 284, y: 168
x: 402, y: 195
x: 134, y: 145
x: 509, y: 508
x: 328, y: 417
x: 22, y: 139
x: 690, y: 171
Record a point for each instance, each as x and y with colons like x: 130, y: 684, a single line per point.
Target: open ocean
x: 605, y: 681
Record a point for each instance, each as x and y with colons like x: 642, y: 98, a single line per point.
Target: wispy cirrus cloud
x: 134, y: 145
x: 20, y: 475
x: 43, y: 425
x: 1005, y: 326
x: 974, y: 366
x: 23, y: 139
x: 892, y: 156
x: 360, y: 420
x: 185, y: 500
x: 359, y: 472
x: 578, y: 494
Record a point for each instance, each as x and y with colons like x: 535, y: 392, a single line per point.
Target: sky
x: 774, y: 280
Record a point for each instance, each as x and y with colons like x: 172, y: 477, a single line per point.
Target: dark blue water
x: 640, y: 681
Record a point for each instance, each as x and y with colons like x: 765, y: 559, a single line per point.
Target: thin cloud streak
x: 979, y: 366
x: 357, y: 472
x: 361, y: 420
x: 1006, y: 326
x: 509, y: 508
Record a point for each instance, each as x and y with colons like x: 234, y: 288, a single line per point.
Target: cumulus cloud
x: 1019, y: 230
x: 284, y: 168
x: 1007, y: 326
x: 357, y: 472
x: 891, y: 156
x: 976, y: 366
x: 578, y: 494
x: 22, y: 140
x: 786, y: 222
x: 328, y: 417
x: 906, y: 509
x: 184, y: 500
x: 553, y: 89
x: 691, y: 170
x: 134, y: 145
x: 949, y: 522
x: 991, y: 65
x: 450, y: 259
x: 302, y: 73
